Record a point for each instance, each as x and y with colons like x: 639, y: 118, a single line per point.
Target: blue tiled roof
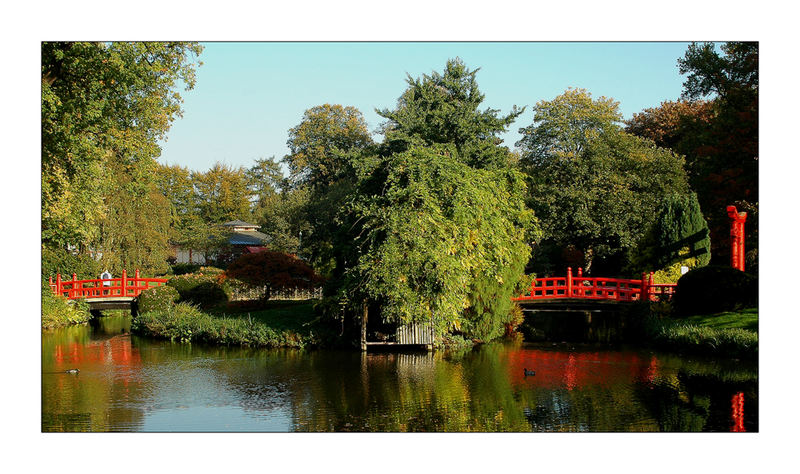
x: 247, y: 238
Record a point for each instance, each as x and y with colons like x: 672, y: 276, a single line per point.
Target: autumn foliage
x: 273, y: 271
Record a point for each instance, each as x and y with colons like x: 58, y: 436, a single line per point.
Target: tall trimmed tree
x: 678, y: 237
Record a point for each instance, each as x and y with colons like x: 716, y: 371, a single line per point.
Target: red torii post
x: 737, y: 237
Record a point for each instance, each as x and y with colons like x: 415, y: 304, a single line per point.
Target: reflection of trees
x: 697, y: 396
x: 485, y: 389
x: 94, y: 399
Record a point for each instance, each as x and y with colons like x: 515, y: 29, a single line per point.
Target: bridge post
x: 737, y: 237
x: 644, y: 292
x: 58, y: 283
x: 569, y: 282
x: 74, y: 284
x: 580, y: 281
x: 650, y: 284
x: 124, y: 283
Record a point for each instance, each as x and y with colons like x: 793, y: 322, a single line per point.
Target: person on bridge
x: 106, y: 276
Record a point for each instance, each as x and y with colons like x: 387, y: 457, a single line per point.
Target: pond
x: 129, y: 383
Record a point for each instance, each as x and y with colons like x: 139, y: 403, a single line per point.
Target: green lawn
x: 743, y: 319
x: 732, y: 333
x: 279, y: 315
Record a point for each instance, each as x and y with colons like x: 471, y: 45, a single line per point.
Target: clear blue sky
x: 248, y: 95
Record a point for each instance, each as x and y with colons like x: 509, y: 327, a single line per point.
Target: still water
x: 128, y: 383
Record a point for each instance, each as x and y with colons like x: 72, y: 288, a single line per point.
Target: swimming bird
x: 72, y: 371
x: 529, y: 372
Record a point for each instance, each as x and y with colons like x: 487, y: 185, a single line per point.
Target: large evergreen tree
x: 444, y: 108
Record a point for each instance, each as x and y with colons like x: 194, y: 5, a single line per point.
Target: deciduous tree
x: 222, y: 194
x: 101, y: 102
x: 319, y: 143
x: 593, y: 186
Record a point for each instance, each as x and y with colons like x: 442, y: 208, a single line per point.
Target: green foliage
x: 101, y: 103
x: 444, y: 109
x: 210, y: 271
x: 679, y: 236
x: 712, y: 289
x: 718, y: 136
x: 58, y: 311
x: 322, y: 148
x: 134, y: 232
x: 160, y: 298
x: 184, y: 268
x: 284, y: 217
x: 59, y: 260
x: 438, y: 240
x: 564, y: 127
x: 593, y: 186
x: 733, y: 74
x: 273, y: 271
x: 319, y: 144
x: 200, y: 289
x: 222, y: 194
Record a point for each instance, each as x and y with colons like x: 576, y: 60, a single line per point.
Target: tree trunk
x: 364, y: 327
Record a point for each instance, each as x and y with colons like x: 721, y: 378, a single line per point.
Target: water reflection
x: 128, y: 383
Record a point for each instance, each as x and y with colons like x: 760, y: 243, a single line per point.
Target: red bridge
x: 598, y: 288
x: 111, y: 293
x: 111, y: 288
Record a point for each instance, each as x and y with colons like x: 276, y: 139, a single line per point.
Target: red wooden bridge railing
x: 598, y: 288
x: 103, y: 288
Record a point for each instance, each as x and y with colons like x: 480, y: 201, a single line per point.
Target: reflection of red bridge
x: 598, y: 288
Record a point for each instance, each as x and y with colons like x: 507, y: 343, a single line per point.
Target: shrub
x: 203, y: 290
x: 714, y: 289
x: 210, y: 271
x: 57, y: 311
x: 184, y: 268
x: 157, y: 299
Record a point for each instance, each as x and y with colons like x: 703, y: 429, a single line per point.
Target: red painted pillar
x: 58, y: 284
x: 650, y: 283
x: 136, y: 283
x: 124, y: 282
x: 737, y: 237
x: 580, y: 281
x: 643, y: 296
x: 74, y: 285
x: 569, y: 282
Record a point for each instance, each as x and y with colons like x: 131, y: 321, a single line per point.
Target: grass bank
x: 275, y: 324
x: 732, y: 333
